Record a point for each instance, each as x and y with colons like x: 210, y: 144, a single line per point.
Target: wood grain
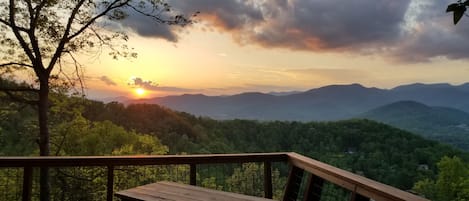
x: 170, y: 191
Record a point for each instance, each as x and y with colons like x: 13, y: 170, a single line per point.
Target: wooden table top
x: 170, y: 191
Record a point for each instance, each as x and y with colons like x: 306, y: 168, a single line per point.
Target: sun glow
x: 140, y: 91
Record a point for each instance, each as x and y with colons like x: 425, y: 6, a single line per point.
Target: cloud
x: 230, y: 15
x: 304, y: 24
x: 221, y: 54
x: 139, y: 82
x: 333, y: 25
x: 107, y: 80
x: 146, y: 27
x: 434, y: 35
x: 405, y: 30
x: 332, y: 75
x: 149, y: 85
x: 144, y: 23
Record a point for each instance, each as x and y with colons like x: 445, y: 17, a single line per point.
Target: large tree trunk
x: 44, y: 149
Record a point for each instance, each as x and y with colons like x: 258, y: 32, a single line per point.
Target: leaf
x: 458, y: 13
x: 452, y: 7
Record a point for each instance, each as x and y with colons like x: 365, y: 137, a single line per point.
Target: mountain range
x: 435, y: 111
x: 333, y: 102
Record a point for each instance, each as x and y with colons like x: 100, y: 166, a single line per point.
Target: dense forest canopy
x: 83, y: 127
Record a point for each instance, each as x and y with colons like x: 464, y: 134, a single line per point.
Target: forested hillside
x: 366, y: 147
x: 443, y: 124
x: 82, y: 127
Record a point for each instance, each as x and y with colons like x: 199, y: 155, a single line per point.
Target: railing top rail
x: 70, y: 161
x: 353, y: 182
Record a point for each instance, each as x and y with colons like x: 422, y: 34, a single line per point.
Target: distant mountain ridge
x: 438, y: 123
x: 333, y: 102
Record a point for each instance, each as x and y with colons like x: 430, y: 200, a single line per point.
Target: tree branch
x: 16, y: 98
x: 149, y: 15
x: 67, y: 77
x: 38, y: 9
x: 16, y: 64
x: 10, y: 92
x: 19, y: 89
x: 101, y: 40
x: 65, y: 37
x: 30, y: 9
x: 31, y: 34
x: 9, y: 25
x: 179, y: 19
x: 16, y: 31
x: 111, y: 6
x: 77, y: 71
x: 74, y: 177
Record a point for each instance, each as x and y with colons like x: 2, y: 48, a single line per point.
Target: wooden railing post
x: 313, y: 188
x: 268, y: 179
x: 110, y: 183
x: 293, y: 184
x: 193, y: 174
x: 27, y: 183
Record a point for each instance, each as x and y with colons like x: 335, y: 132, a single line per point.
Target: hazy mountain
x: 121, y: 99
x: 284, y: 93
x: 442, y: 94
x: 245, y: 105
x: 440, y: 123
x: 325, y: 103
x: 332, y: 102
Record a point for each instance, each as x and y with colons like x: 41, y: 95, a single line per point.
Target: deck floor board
x: 170, y: 191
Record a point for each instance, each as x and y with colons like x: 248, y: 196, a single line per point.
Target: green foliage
x: 72, y: 134
x: 17, y: 130
x: 247, y: 180
x: 372, y: 149
x: 173, y: 130
x: 375, y: 150
x: 82, y: 137
x: 75, y: 135
x: 210, y: 182
x: 446, y: 125
x: 451, y: 184
x: 7, y: 180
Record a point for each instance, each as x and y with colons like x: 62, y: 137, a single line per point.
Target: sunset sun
x: 140, y: 91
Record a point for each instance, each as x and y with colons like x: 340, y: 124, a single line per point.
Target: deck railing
x: 317, y: 174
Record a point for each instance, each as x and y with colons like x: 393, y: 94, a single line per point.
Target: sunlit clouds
x: 286, y: 45
x: 139, y: 83
x: 388, y: 28
x: 107, y: 80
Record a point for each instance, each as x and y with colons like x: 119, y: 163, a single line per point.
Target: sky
x: 240, y: 46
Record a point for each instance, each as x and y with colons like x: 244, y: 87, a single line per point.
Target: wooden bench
x: 170, y: 191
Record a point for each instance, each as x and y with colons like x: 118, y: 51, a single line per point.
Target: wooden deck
x: 170, y: 191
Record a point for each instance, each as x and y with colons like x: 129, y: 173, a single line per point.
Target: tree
x: 458, y: 9
x: 44, y: 37
x: 247, y: 180
x: 451, y: 184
